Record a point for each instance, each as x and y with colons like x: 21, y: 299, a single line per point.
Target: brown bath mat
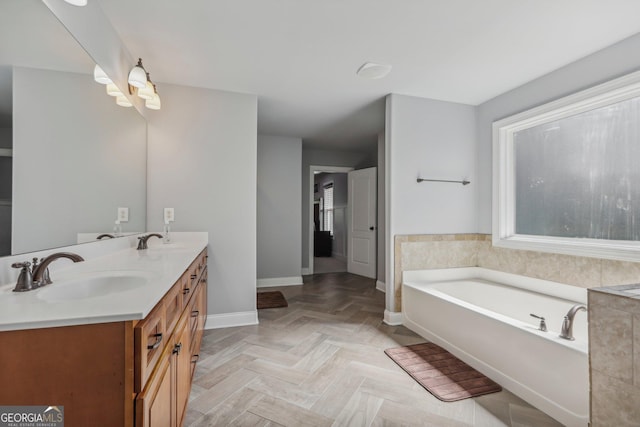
x: 441, y: 373
x: 273, y: 299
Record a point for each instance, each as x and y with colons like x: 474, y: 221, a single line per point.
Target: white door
x: 361, y: 247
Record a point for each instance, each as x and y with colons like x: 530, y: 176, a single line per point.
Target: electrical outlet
x: 169, y: 215
x: 123, y: 214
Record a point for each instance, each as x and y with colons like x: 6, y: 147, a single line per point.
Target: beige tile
x: 360, y: 410
x: 617, y: 302
x: 397, y: 414
x: 614, y: 403
x: 284, y: 373
x: 247, y: 419
x: 229, y: 410
x: 611, y: 342
x: 282, y: 390
x: 288, y: 414
x: 213, y: 376
x: 620, y: 272
x: 636, y: 350
x: 222, y: 390
x: 337, y: 395
x: 526, y: 416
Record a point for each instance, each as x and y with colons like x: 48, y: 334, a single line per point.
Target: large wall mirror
x: 69, y: 156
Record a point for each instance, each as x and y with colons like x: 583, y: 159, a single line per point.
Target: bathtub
x: 482, y: 316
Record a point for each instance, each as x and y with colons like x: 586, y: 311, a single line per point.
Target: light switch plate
x: 123, y: 214
x: 169, y: 215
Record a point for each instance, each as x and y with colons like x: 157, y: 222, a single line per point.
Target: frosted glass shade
x: 100, y: 76
x: 77, y: 2
x: 147, y: 92
x: 138, y: 77
x: 153, y: 103
x: 123, y: 101
x: 113, y: 90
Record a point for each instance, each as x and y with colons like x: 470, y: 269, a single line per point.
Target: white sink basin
x: 166, y: 246
x: 93, y: 285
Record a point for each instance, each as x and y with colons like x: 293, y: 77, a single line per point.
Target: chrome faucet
x: 567, y: 323
x: 142, y: 244
x: 33, y: 277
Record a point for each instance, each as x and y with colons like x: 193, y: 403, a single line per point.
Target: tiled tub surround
x: 614, y: 353
x: 418, y: 252
x: 482, y: 316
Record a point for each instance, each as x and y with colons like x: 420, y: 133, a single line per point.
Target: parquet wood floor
x: 320, y: 362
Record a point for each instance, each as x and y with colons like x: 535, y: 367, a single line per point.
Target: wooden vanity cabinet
x: 127, y: 373
x: 169, y: 383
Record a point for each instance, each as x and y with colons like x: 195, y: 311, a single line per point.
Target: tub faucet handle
x: 543, y: 324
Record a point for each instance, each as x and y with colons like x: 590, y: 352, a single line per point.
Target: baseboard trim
x: 279, y: 281
x: 306, y: 271
x: 392, y: 318
x: 229, y: 320
x: 381, y: 286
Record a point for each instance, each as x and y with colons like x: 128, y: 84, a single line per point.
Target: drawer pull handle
x: 156, y: 344
x: 196, y: 357
x: 177, y: 348
x: 186, y: 291
x: 203, y: 280
x: 193, y: 276
x: 195, y: 313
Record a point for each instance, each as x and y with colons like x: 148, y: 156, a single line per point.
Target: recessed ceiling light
x: 371, y: 70
x: 77, y: 2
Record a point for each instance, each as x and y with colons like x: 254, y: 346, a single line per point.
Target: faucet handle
x: 25, y: 279
x: 543, y: 324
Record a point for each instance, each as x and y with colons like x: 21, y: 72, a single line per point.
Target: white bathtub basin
x: 483, y: 317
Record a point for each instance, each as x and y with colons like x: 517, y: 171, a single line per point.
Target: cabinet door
x: 182, y: 357
x: 155, y: 406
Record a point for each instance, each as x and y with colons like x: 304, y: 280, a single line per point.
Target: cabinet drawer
x: 173, y: 305
x: 150, y: 337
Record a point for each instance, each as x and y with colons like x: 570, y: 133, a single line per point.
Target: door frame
x: 312, y: 169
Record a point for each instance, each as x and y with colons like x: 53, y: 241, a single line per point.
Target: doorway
x: 327, y: 219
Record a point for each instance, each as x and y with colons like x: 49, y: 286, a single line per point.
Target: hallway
x: 320, y: 362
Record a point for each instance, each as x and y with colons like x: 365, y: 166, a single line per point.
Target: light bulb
x: 100, y: 76
x: 146, y: 92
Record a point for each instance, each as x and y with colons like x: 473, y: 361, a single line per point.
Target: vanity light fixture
x: 147, y: 91
x: 122, y: 101
x: 140, y: 84
x: 112, y: 90
x: 153, y: 103
x: 100, y: 76
x: 138, y: 76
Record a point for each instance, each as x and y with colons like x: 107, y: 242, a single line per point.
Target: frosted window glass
x: 580, y: 176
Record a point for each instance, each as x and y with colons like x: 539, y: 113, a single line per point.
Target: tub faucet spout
x: 567, y: 323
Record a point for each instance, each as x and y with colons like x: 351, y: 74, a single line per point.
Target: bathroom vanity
x: 112, y: 354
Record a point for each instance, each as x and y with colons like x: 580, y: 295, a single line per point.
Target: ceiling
x: 300, y: 57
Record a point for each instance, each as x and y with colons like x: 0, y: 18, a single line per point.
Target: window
x: 328, y: 207
x: 567, y: 174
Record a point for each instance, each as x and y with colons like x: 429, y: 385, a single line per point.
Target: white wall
x: 382, y: 229
x: 357, y: 160
x: 614, y: 61
x: 202, y: 161
x: 429, y: 139
x: 77, y: 157
x: 279, y: 200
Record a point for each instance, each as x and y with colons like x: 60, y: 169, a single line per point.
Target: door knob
x: 372, y: 228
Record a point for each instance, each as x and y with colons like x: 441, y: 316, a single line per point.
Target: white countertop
x: 161, y: 264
